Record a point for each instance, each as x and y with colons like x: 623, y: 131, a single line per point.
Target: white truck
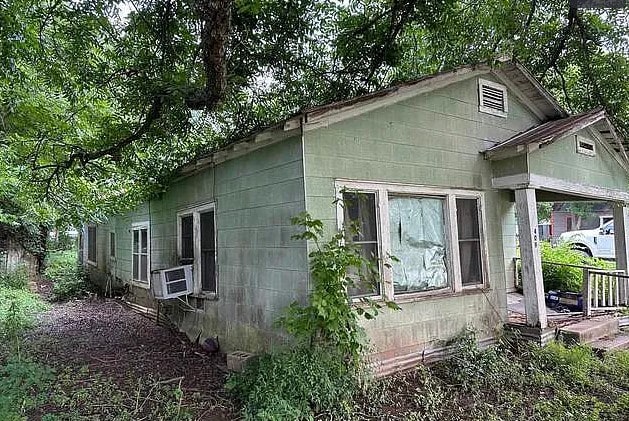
x: 598, y: 242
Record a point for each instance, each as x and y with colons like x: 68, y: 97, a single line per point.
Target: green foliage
x: 67, y: 276
x: 18, y: 307
x: 14, y: 279
x: 329, y: 318
x: 566, y: 278
x: 23, y: 386
x: 544, y: 210
x: 295, y: 384
x: 511, y: 381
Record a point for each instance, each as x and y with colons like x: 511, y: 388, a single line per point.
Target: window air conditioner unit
x: 172, y: 282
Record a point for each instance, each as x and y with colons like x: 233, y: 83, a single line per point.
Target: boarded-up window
x: 208, y: 252
x: 418, y: 242
x: 469, y: 241
x: 361, y: 229
x: 140, y: 259
x: 187, y: 239
x: 91, y: 244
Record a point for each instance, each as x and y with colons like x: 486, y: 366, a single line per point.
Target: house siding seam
x: 436, y: 140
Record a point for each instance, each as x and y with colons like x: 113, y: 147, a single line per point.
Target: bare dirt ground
x: 106, y: 338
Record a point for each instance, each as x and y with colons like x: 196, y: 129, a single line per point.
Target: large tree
x: 101, y: 100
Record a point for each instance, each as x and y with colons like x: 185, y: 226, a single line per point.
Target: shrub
x: 566, y: 278
x: 295, y: 384
x: 66, y: 276
x: 15, y: 279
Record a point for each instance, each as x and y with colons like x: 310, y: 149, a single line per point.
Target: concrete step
x: 614, y: 343
x: 588, y: 331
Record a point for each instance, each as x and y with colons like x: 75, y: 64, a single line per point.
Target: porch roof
x: 544, y: 134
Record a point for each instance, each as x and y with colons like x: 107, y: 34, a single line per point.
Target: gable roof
x: 538, y: 136
x: 511, y: 73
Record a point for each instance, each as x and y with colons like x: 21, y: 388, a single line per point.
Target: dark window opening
x: 112, y: 244
x: 361, y: 229
x: 91, y: 244
x: 187, y: 240
x: 469, y: 241
x: 208, y: 252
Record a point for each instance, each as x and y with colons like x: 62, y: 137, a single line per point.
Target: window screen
x: 187, y: 239
x: 112, y: 244
x: 469, y: 241
x: 140, y: 254
x: 91, y: 244
x: 208, y: 252
x: 418, y: 243
x: 361, y: 230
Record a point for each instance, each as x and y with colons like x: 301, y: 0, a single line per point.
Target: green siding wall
x: 261, y: 269
x: 435, y: 139
x: 561, y: 161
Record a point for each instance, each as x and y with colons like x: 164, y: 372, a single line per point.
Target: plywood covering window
x: 91, y: 244
x: 424, y: 240
x: 140, y: 253
x: 197, y: 246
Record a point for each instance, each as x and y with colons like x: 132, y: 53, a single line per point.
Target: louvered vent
x: 492, y: 98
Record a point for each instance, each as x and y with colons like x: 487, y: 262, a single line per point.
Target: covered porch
x: 578, y: 158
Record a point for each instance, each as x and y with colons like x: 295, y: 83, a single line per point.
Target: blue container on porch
x: 570, y: 300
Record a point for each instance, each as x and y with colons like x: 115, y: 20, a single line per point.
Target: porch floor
x: 517, y: 315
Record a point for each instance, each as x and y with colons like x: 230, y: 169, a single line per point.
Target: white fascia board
x: 313, y: 122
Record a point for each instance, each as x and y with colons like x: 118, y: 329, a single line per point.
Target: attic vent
x: 585, y: 146
x: 492, y: 98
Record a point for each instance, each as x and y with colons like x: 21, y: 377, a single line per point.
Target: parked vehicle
x: 598, y: 242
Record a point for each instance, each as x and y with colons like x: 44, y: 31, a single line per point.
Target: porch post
x: 621, y: 224
x: 621, y: 227
x: 532, y: 280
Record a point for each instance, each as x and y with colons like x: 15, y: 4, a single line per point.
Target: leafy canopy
x: 102, y: 100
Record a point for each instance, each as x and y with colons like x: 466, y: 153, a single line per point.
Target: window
x: 112, y: 244
x: 361, y: 229
x: 197, y: 246
x: 140, y: 252
x: 492, y: 98
x: 470, y: 251
x: 585, y: 146
x: 91, y: 244
x: 435, y: 237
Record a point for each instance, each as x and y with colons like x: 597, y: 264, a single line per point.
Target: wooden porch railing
x: 604, y: 290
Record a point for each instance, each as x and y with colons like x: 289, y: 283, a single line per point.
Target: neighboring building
x: 432, y: 170
x: 564, y: 219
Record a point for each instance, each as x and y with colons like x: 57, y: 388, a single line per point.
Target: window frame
x: 453, y: 265
x: 138, y: 226
x: 505, y: 98
x: 113, y: 252
x: 196, y: 212
x: 87, y: 249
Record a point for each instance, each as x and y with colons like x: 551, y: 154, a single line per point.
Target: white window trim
x: 196, y: 239
x: 137, y: 282
x: 488, y: 110
x: 87, y: 244
x: 382, y: 191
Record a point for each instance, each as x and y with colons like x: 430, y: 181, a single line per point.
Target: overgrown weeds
x: 67, y: 278
x: 508, y: 382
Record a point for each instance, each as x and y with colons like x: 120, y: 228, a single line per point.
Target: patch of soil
x: 108, y: 338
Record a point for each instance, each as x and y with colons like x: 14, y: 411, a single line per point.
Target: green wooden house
x: 432, y: 170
